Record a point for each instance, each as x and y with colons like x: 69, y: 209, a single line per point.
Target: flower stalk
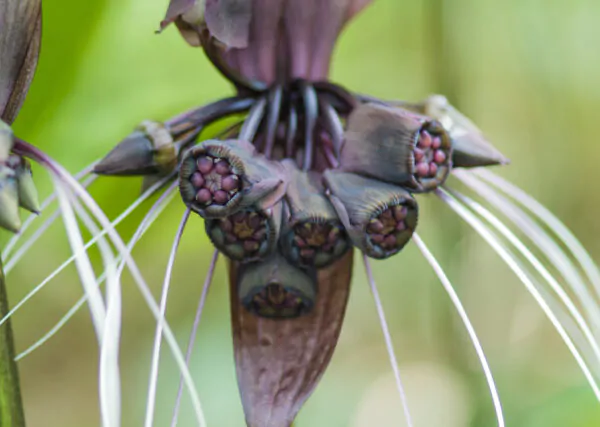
x: 11, y: 403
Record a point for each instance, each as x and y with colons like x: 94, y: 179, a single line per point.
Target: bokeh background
x: 528, y: 72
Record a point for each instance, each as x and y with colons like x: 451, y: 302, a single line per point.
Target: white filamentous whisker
x: 151, y: 216
x: 88, y: 245
x: 153, y: 379
x: 542, y: 241
x: 192, y: 339
x: 439, y: 271
x: 514, y: 265
x: 388, y: 340
x: 548, y: 218
x: 32, y: 217
x: 89, y: 202
x: 109, y: 372
x: 31, y: 240
x: 539, y: 267
x: 82, y: 261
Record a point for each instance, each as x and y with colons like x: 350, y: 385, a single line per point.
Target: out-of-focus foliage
x: 525, y: 71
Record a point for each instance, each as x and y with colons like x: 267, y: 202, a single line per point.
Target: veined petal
x: 20, y: 24
x: 280, y: 361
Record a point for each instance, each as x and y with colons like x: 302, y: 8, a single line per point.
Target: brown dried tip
x: 397, y: 146
x: 280, y: 361
x: 249, y: 235
x: 218, y: 178
x: 380, y: 218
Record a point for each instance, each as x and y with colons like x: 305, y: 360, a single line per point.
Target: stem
x: 11, y: 405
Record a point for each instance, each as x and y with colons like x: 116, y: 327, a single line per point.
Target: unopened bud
x: 9, y: 200
x: 397, y: 146
x: 6, y: 140
x: 28, y: 196
x: 380, y: 218
x: 276, y: 289
x: 150, y: 149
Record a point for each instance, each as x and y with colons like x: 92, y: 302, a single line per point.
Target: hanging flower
x: 312, y: 171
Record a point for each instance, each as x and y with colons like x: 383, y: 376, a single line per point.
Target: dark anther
x: 249, y: 235
x: 218, y: 178
x: 312, y: 234
x: 277, y: 289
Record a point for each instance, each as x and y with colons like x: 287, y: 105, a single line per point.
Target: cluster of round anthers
x: 214, y: 181
x: 311, y: 171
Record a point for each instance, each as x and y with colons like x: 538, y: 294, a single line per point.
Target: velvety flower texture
x: 312, y: 171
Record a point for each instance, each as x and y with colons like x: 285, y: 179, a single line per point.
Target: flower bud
x: 380, y: 218
x: 150, y: 149
x: 249, y: 235
x: 6, y: 140
x: 276, y: 289
x: 218, y: 178
x: 9, y: 199
x: 28, y: 196
x: 397, y: 146
x: 312, y: 234
x: 470, y: 147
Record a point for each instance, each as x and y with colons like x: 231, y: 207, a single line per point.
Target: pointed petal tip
x: 132, y: 156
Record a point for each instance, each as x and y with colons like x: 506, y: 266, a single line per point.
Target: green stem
x: 11, y: 405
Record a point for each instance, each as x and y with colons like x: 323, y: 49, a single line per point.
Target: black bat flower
x: 312, y: 171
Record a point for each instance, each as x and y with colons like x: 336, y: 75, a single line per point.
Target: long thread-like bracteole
x: 388, y: 340
x: 514, y: 265
x: 192, y: 339
x: 439, y: 271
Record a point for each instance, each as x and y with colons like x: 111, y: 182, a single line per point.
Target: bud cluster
x: 17, y: 188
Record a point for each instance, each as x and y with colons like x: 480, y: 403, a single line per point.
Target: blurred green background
x: 527, y: 71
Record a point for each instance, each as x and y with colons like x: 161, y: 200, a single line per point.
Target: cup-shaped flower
x: 398, y: 146
x: 218, y: 178
x: 249, y: 235
x: 312, y: 234
x: 277, y: 289
x: 380, y: 218
x: 148, y: 150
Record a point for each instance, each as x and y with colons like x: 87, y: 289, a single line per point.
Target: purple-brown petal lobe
x: 280, y: 361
